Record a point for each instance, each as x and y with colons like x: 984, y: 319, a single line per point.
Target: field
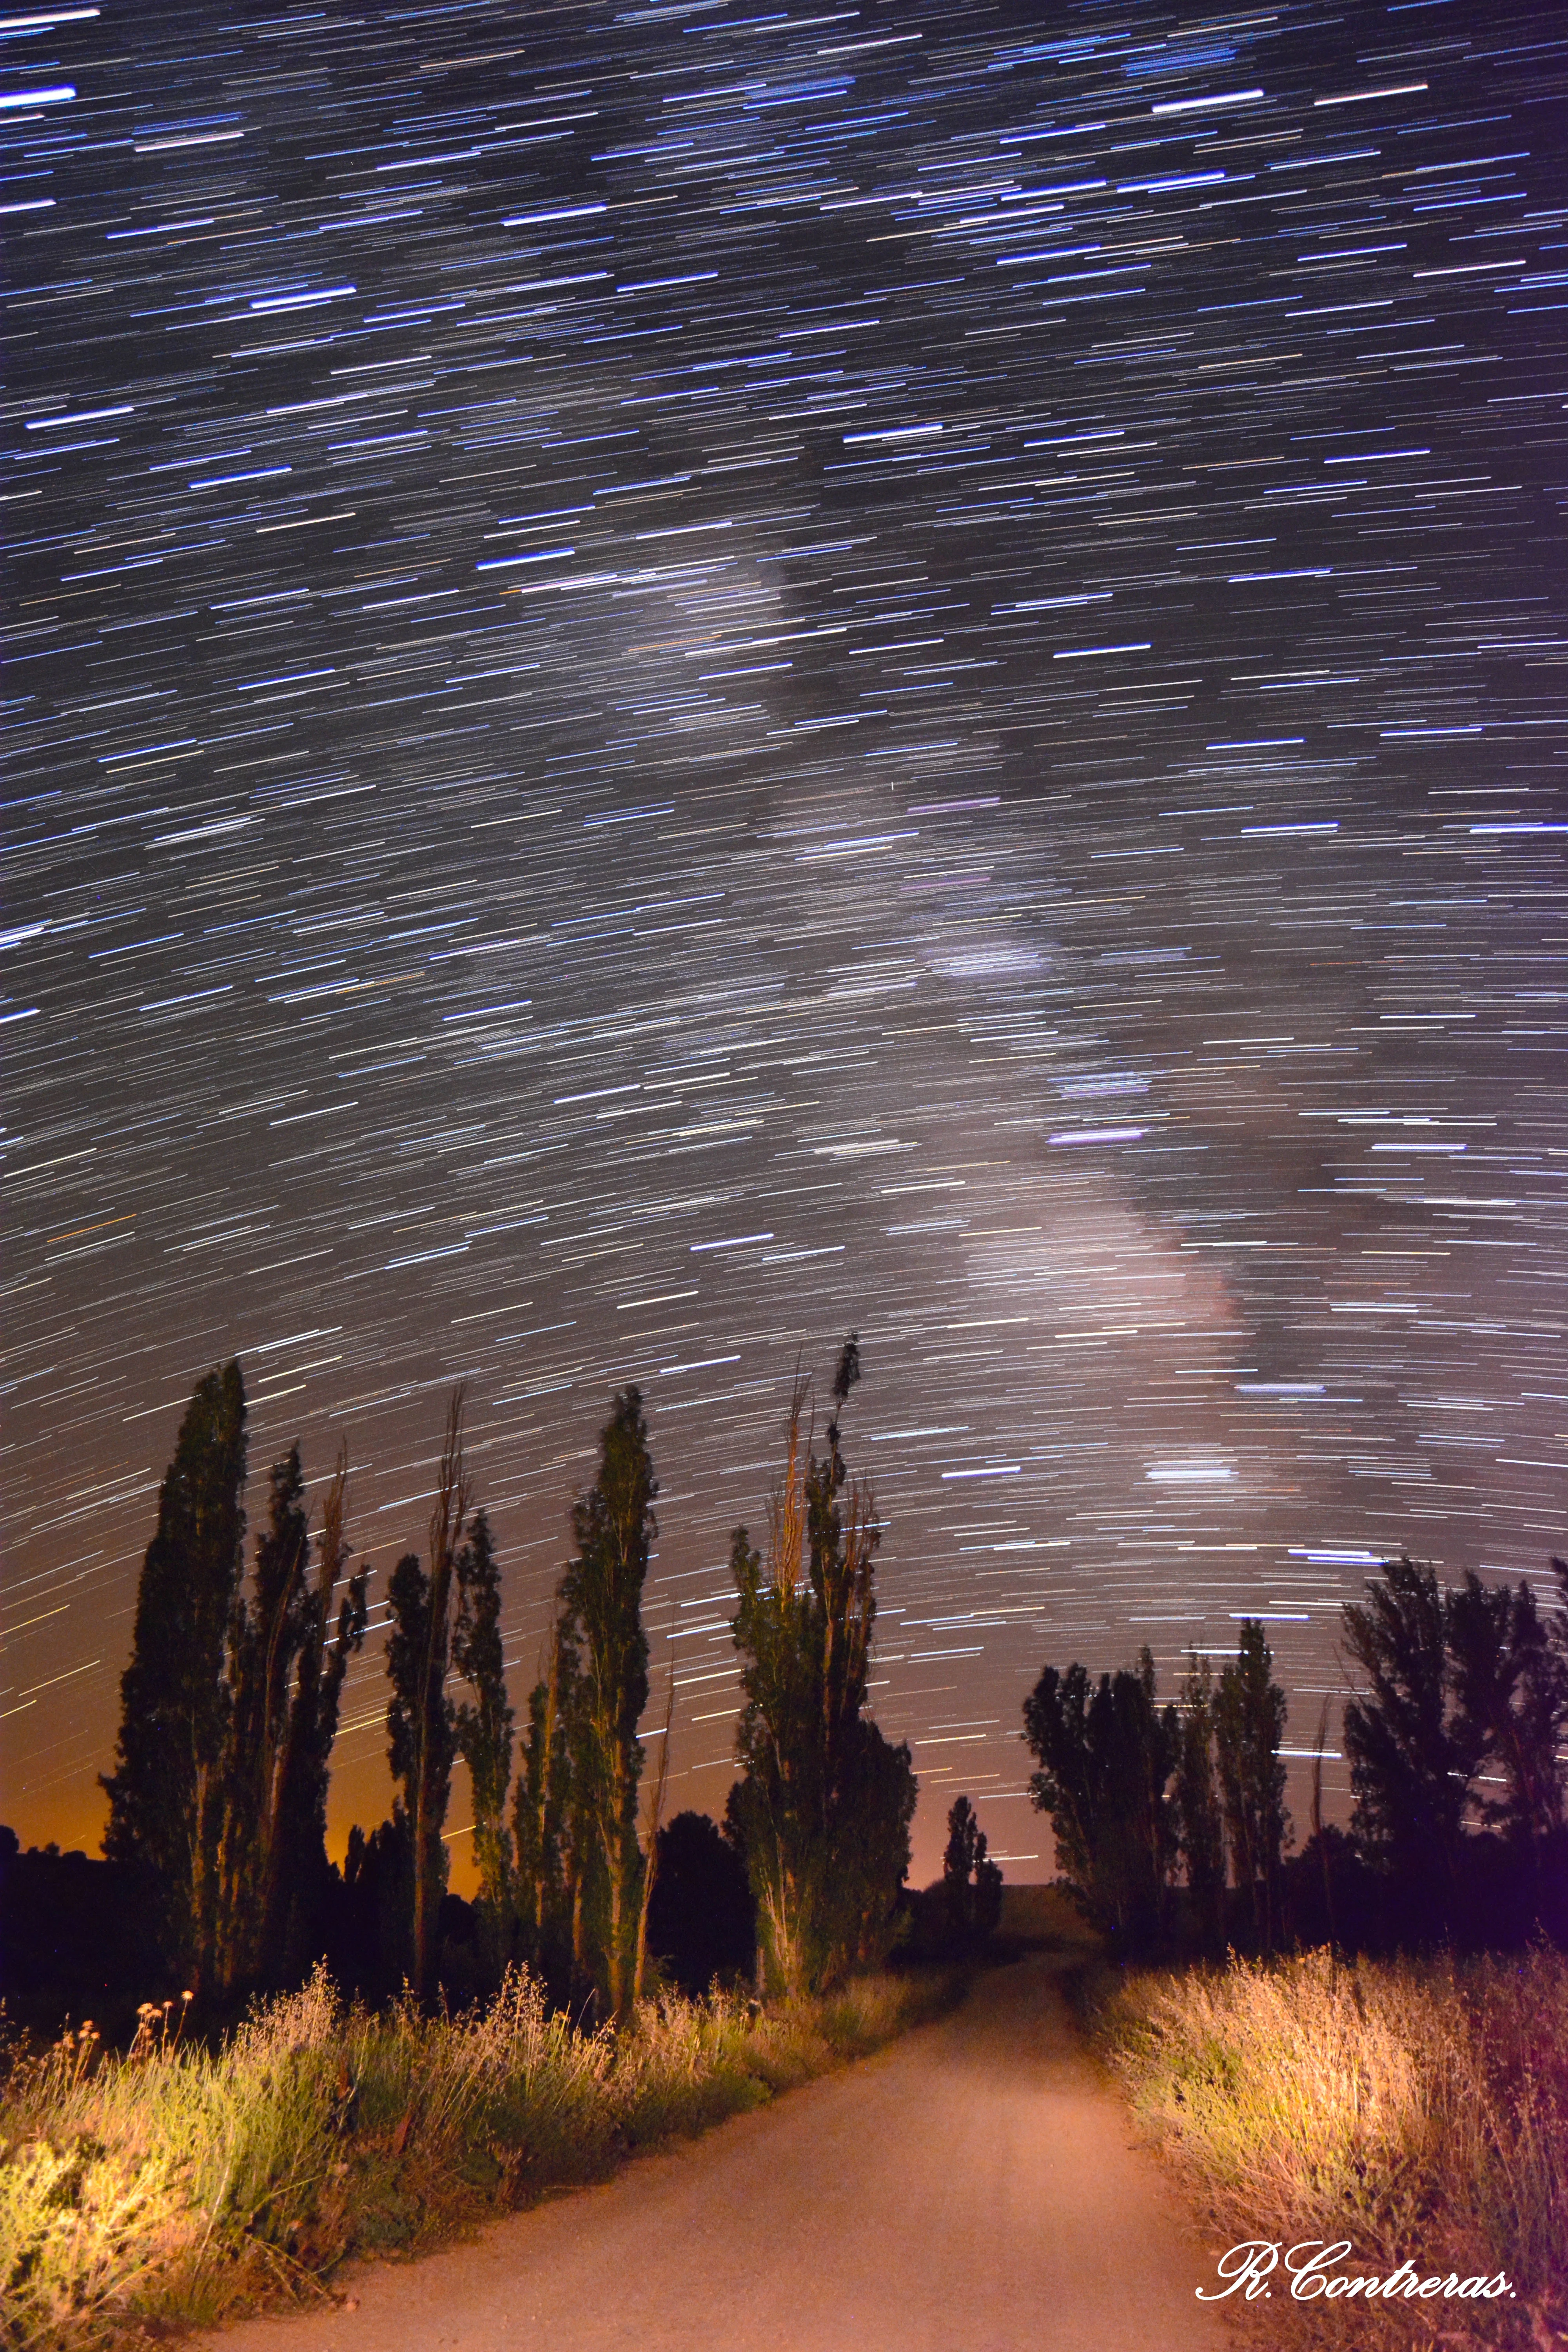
x: 177, y: 2184
x: 1418, y: 2111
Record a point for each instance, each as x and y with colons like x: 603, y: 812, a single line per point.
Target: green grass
x: 178, y: 2184
x: 1419, y: 2110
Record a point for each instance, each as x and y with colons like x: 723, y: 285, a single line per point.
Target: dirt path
x: 974, y: 2188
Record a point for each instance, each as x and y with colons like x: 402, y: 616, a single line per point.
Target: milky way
x: 683, y: 679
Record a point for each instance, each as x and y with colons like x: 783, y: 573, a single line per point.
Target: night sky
x: 682, y: 679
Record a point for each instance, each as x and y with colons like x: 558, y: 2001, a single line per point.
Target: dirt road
x: 972, y: 2189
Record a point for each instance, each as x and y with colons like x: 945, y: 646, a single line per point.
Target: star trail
x: 682, y: 677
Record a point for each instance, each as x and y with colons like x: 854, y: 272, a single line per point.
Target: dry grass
x: 176, y: 2184
x: 1420, y: 2110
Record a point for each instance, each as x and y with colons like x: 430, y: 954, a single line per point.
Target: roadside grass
x: 176, y: 2185
x: 1419, y: 2110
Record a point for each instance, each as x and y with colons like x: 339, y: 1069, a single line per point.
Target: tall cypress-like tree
x: 1200, y: 1816
x: 286, y: 1663
x: 1249, y: 1722
x: 604, y: 1676
x: 422, y: 1746
x: 484, y: 1723
x: 166, y: 1791
x: 265, y: 1634
x: 823, y: 1810
x: 421, y: 1720
x: 544, y: 1822
x: 299, y: 1865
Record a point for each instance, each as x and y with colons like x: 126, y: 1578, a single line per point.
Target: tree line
x: 1170, y: 1820
x: 232, y: 1697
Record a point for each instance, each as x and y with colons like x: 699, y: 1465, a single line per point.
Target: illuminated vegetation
x: 174, y: 2183
x: 1417, y: 2110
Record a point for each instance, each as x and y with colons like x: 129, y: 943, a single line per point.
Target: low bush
x: 175, y: 2183
x: 1417, y: 2110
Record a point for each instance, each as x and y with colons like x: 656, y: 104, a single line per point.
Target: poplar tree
x: 166, y: 1791
x: 287, y: 1663
x: 602, y: 1676
x: 265, y: 1636
x: 298, y: 1864
x: 421, y: 1720
x: 1249, y: 1722
x: 824, y: 1806
x: 1200, y: 1817
x: 484, y: 1721
x: 542, y: 1821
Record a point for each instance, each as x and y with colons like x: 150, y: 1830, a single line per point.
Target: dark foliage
x: 1459, y: 1727
x: 422, y: 1746
x: 421, y: 1718
x: 369, y: 1945
x: 1132, y: 1789
x: 824, y: 1806
x: 542, y: 1828
x: 77, y: 1941
x: 700, y: 1923
x: 484, y: 1730
x: 971, y: 1881
x: 1412, y: 1766
x: 218, y: 1806
x: 286, y: 1663
x: 1248, y: 1726
x: 166, y: 1792
x: 604, y: 1682
x: 1106, y: 1753
x: 1331, y: 1894
x: 1200, y: 1818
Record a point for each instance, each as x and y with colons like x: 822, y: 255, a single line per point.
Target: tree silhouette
x: 971, y: 1881
x: 166, y: 1792
x: 1413, y: 1762
x: 1465, y: 1689
x: 298, y: 1870
x: 484, y: 1722
x: 286, y: 1667
x: 1510, y: 1673
x: 1106, y: 1754
x: 1199, y: 1817
x: 543, y: 1822
x: 700, y: 1923
x: 421, y: 1720
x: 1249, y: 1722
x: 265, y: 1633
x: 601, y: 1677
